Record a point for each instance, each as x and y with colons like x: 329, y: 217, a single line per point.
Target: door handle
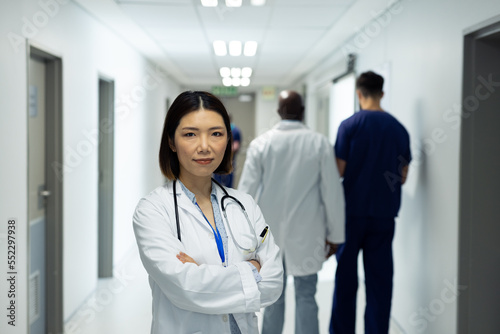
x: 45, y: 193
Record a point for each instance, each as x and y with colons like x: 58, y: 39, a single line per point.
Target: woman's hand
x: 256, y: 264
x: 184, y: 258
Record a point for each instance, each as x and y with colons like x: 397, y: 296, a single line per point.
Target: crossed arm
x: 184, y: 258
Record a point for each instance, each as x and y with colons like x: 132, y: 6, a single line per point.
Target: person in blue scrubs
x: 228, y: 179
x: 373, y: 154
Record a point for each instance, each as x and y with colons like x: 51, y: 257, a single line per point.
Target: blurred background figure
x: 373, y: 154
x: 228, y: 179
x: 290, y: 170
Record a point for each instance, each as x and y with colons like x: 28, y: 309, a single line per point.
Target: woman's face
x: 200, y: 143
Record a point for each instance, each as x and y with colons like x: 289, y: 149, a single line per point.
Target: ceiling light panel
x: 220, y: 48
x: 209, y: 3
x: 311, y: 2
x: 235, y: 72
x: 246, y: 72
x: 162, y: 2
x: 235, y: 48
x: 250, y: 48
x: 225, y: 72
x: 233, y: 3
x: 236, y: 82
x: 258, y: 2
x: 235, y: 33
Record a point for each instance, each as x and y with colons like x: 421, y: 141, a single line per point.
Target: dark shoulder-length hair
x: 183, y: 104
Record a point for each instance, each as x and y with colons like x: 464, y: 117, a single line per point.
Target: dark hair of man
x: 370, y: 84
x: 290, y: 105
x: 184, y: 104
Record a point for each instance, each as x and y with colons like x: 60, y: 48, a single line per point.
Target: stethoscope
x: 223, y: 207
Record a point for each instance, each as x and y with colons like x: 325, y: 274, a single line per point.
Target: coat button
x: 224, y: 318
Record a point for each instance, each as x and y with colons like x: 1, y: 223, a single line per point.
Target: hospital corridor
x: 85, y: 89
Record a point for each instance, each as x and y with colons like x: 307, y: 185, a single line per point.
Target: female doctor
x: 211, y: 258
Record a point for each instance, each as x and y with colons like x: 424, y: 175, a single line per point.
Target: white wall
x: 319, y: 81
x: 13, y: 172
x: 266, y: 112
x: 88, y: 49
x: 422, y: 42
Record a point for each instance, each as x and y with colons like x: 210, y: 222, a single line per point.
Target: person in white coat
x: 211, y: 258
x: 291, y: 172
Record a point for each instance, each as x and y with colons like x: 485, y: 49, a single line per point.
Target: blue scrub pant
x: 373, y: 236
x: 306, y: 308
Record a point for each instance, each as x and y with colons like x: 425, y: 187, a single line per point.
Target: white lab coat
x: 197, y: 299
x: 291, y: 172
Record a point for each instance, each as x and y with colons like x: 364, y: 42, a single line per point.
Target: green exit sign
x: 225, y: 91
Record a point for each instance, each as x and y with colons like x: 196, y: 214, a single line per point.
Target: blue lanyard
x: 218, y: 238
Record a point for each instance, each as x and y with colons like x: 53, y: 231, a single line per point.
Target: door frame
x: 467, y: 222
x: 54, y: 184
x: 106, y: 130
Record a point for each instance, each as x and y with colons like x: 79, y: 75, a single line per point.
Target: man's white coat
x: 291, y: 172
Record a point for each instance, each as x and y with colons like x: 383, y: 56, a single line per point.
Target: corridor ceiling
x: 293, y: 36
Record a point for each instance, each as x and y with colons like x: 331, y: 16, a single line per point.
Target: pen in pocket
x: 264, y: 233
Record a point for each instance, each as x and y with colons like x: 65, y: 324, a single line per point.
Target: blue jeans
x: 306, y: 309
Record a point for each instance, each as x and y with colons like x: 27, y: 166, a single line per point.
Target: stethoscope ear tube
x: 177, y: 209
x: 177, y: 214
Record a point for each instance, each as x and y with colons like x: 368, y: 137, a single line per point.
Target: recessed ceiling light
x: 220, y: 48
x: 245, y: 82
x: 227, y: 82
x: 250, y: 48
x: 236, y: 82
x: 246, y: 72
x: 225, y: 72
x: 235, y: 48
x: 233, y: 3
x: 258, y: 2
x: 235, y: 72
x: 209, y: 3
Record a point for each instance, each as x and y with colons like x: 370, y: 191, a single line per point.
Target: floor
x: 123, y: 304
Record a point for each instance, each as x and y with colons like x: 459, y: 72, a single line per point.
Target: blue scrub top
x: 376, y: 147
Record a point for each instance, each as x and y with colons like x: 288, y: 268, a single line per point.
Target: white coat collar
x: 286, y: 124
x: 183, y: 200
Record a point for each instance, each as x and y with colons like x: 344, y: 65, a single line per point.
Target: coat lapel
x: 185, y: 204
